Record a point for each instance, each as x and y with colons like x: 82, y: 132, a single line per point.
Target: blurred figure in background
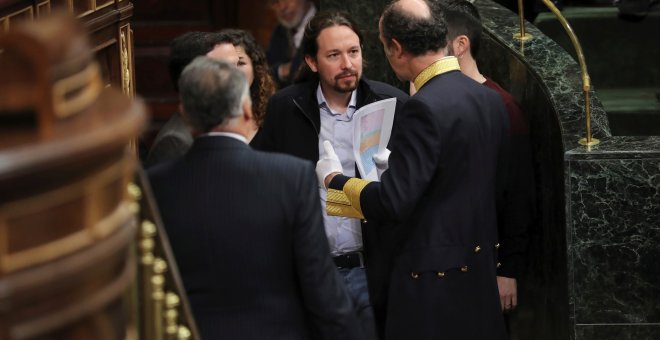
x: 235, y: 46
x: 284, y: 52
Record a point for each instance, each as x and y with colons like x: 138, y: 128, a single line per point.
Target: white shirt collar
x: 226, y: 134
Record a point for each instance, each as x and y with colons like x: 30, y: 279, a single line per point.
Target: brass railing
x: 586, y: 81
x: 163, y: 309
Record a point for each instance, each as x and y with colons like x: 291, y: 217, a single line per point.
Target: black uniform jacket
x: 447, y: 156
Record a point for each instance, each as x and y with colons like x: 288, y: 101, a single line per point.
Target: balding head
x: 412, y: 24
x: 415, y: 8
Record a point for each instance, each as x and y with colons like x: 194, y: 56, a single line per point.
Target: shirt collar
x: 352, y: 104
x: 225, y: 134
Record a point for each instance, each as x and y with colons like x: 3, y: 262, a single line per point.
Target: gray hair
x: 212, y: 92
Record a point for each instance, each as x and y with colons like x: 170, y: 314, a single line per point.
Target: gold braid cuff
x: 346, y: 202
x: 440, y: 66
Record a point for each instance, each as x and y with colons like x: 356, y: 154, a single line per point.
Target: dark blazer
x: 247, y: 233
x: 293, y: 122
x: 278, y: 54
x: 173, y: 141
x: 441, y: 186
x: 292, y: 126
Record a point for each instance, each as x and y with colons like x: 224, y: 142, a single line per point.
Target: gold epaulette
x: 346, y: 202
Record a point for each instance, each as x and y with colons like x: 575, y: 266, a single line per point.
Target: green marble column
x: 366, y: 13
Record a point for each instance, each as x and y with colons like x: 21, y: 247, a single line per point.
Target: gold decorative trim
x: 338, y: 204
x: 440, y: 66
x: 353, y: 188
x: 346, y: 202
x: 337, y: 196
x: 89, y: 80
x: 125, y: 57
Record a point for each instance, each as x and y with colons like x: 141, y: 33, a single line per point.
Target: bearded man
x: 303, y: 115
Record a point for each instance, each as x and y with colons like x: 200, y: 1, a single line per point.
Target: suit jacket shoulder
x: 383, y: 90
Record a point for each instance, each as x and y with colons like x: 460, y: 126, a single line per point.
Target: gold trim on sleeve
x: 337, y: 204
x: 346, y: 202
x: 353, y: 188
x: 440, y: 66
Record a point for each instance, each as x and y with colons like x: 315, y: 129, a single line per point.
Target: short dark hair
x: 212, y: 92
x: 263, y: 86
x: 321, y: 21
x: 462, y: 18
x: 183, y: 49
x: 417, y: 35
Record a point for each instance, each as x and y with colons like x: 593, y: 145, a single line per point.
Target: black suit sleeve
x: 326, y: 299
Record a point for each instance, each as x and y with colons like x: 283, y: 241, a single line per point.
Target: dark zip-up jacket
x: 293, y: 121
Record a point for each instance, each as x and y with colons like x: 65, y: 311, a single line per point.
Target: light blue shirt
x: 344, y: 234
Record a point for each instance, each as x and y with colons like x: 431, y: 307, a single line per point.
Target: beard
x: 345, y: 85
x: 295, y: 21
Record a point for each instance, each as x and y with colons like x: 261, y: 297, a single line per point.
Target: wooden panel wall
x: 157, y: 22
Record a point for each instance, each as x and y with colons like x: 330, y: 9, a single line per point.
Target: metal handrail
x: 586, y: 81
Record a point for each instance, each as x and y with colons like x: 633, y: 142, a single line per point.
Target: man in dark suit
x: 441, y: 184
x: 284, y: 53
x: 246, y: 226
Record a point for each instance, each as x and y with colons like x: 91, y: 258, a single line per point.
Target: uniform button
x: 464, y: 269
x: 498, y: 265
x: 440, y: 274
x: 477, y: 249
x: 364, y: 221
x: 497, y: 246
x: 414, y: 275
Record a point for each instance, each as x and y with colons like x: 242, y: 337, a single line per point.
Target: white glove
x: 328, y: 164
x: 381, y: 159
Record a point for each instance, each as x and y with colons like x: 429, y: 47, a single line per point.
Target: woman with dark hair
x: 252, y: 61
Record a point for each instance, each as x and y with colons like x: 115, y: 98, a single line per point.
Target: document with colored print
x: 373, y: 127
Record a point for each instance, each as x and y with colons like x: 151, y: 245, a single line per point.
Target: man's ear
x: 311, y: 62
x: 461, y: 45
x: 395, y: 48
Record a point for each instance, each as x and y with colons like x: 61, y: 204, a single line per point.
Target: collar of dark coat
x: 309, y: 106
x: 218, y: 142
